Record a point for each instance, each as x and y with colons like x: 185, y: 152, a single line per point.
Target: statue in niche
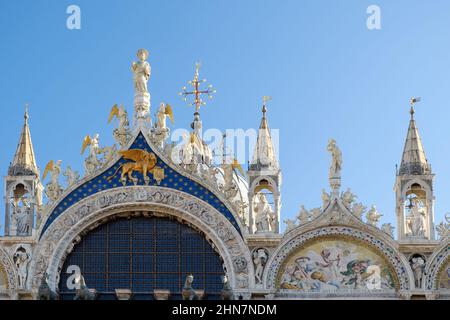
x: 417, y: 220
x: 260, y: 257
x: 264, y: 214
x: 21, y: 259
x: 21, y: 218
x: 418, y: 267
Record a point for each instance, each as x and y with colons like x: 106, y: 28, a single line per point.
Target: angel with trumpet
x: 160, y: 131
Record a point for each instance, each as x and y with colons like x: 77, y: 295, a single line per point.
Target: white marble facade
x: 339, y: 250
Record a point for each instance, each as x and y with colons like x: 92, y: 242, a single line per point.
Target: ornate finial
x: 412, y: 102
x: 196, y: 92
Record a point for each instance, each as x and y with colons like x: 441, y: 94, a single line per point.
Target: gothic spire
x: 264, y: 155
x: 414, y: 160
x: 24, y: 162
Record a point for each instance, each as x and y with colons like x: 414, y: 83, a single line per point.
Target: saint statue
x: 21, y: 219
x: 259, y: 259
x: 264, y: 214
x: 141, y: 71
x: 418, y: 267
x: 416, y: 224
x: 336, y: 162
x: 21, y: 259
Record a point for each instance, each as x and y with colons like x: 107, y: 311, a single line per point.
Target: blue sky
x: 329, y: 76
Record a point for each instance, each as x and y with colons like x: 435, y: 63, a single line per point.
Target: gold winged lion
x: 144, y: 162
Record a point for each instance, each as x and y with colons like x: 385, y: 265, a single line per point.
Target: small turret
x: 23, y: 188
x: 264, y: 182
x: 414, y: 188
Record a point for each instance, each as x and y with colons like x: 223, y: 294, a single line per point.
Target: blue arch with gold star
x: 173, y: 180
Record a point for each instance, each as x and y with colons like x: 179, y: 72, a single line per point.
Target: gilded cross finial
x: 196, y: 91
x: 412, y: 102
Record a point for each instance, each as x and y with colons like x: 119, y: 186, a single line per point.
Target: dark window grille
x: 144, y: 254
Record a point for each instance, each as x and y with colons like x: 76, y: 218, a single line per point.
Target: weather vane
x: 412, y: 102
x: 266, y: 99
x: 196, y: 92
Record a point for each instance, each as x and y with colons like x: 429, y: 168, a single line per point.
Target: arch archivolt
x: 7, y: 266
x: 61, y: 236
x: 297, y: 241
x: 435, y: 265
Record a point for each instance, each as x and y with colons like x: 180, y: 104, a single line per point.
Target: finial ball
x: 264, y: 109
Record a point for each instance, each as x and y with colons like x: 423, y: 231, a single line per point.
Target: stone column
x: 251, y: 219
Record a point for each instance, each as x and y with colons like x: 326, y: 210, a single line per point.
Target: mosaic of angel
x: 334, y: 265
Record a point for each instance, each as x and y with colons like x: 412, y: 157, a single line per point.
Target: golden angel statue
x: 122, y: 132
x: 160, y: 132
x: 53, y: 189
x: 92, y: 162
x: 165, y: 110
x: 230, y: 187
